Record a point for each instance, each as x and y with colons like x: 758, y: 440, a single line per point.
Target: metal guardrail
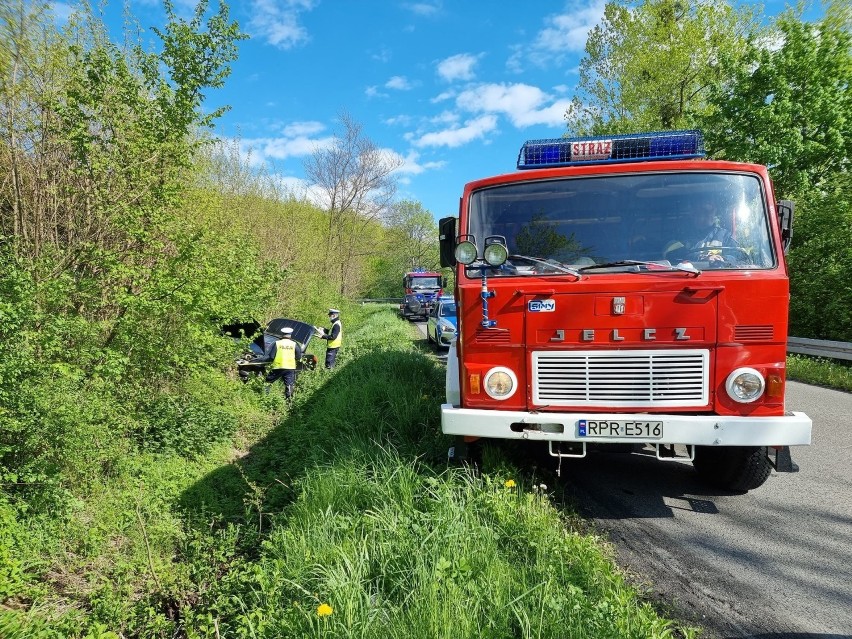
x: 380, y: 300
x: 819, y: 348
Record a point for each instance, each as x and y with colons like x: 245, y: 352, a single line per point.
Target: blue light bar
x: 636, y: 147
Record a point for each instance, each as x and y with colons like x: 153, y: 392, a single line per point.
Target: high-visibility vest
x: 285, y: 354
x: 337, y: 341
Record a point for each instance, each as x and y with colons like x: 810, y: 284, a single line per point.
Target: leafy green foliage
x: 820, y: 259
x: 345, y: 502
x: 820, y: 371
x: 651, y: 66
x: 789, y: 107
x: 777, y: 96
x: 410, y: 240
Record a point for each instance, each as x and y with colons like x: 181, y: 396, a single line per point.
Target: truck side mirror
x: 785, y: 221
x: 443, y: 282
x: 447, y: 240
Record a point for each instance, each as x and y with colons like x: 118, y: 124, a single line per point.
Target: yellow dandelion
x: 324, y: 610
x: 509, y: 483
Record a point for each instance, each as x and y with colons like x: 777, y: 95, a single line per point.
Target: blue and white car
x: 442, y: 325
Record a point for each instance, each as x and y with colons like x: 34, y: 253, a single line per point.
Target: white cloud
x: 424, y: 8
x: 563, y: 33
x: 297, y: 129
x: 446, y: 95
x: 411, y: 165
x: 445, y: 117
x: 399, y: 120
x: 398, y: 82
x: 458, y: 67
x: 277, y: 21
x: 373, y: 92
x: 523, y: 104
x: 568, y: 31
x: 456, y: 136
x: 298, y: 139
x: 383, y: 55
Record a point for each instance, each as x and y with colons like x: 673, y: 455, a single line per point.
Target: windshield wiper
x: 650, y: 267
x: 556, y: 266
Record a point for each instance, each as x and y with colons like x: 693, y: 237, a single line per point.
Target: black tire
x: 429, y: 336
x: 736, y: 468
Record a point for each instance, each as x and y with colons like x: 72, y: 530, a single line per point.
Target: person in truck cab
x: 704, y: 239
x: 334, y: 337
x: 284, y: 355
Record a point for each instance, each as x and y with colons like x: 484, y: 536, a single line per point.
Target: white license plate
x: 639, y: 428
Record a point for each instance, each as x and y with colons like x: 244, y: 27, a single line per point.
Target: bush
x: 821, y: 263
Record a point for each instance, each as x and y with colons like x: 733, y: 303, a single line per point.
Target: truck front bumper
x: 792, y: 429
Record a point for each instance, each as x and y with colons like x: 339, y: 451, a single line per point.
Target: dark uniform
x: 284, y: 355
x: 334, y: 337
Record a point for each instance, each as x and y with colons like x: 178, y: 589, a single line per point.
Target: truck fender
x: 453, y: 392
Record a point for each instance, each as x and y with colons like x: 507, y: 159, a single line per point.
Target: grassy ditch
x: 339, y: 520
x: 820, y: 371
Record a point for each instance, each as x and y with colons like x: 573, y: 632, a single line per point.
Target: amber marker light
x: 774, y: 385
x: 474, y: 383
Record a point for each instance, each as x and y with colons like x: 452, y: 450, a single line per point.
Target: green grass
x: 820, y: 371
x: 343, y: 501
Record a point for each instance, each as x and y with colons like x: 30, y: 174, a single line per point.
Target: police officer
x: 334, y: 337
x: 284, y: 354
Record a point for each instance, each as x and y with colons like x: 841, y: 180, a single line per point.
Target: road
x: 773, y: 563
x: 776, y: 562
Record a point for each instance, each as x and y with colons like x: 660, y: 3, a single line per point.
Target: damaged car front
x: 255, y: 361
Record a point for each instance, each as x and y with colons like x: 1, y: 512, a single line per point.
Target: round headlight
x: 466, y: 252
x: 745, y: 385
x: 500, y: 383
x: 495, y: 254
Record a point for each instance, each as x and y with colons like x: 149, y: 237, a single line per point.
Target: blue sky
x: 451, y: 88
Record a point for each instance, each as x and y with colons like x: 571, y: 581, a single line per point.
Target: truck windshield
x: 707, y: 220
x: 425, y: 282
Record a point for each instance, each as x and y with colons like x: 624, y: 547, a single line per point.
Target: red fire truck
x: 422, y: 290
x: 624, y: 292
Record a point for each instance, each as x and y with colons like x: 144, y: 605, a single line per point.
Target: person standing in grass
x: 284, y: 355
x: 333, y: 336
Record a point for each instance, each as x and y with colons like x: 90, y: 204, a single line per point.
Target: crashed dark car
x: 255, y: 362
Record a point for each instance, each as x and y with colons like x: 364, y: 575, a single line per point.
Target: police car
x: 442, y: 324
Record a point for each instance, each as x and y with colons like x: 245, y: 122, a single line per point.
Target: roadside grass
x: 340, y: 518
x: 820, y: 371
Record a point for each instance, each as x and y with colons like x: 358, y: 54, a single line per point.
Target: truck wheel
x: 737, y: 468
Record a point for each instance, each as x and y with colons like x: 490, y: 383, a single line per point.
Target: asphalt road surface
x: 775, y: 562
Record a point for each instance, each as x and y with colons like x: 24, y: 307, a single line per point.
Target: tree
x: 413, y: 235
x: 791, y: 109
x: 357, y: 185
x: 821, y: 263
x: 410, y: 240
x: 791, y: 106
x: 651, y: 67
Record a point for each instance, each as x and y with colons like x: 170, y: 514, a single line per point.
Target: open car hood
x: 254, y: 362
x: 302, y: 333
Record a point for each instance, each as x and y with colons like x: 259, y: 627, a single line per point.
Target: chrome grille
x: 641, y: 378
